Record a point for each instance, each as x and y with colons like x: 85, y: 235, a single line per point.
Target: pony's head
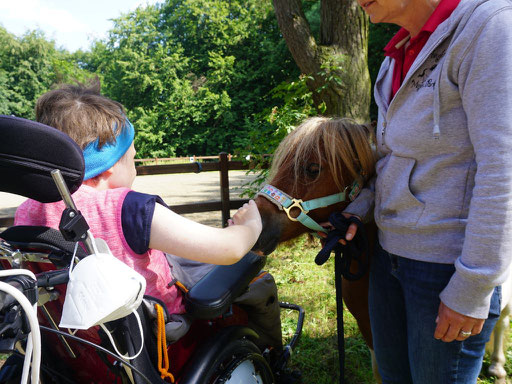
x: 321, y: 157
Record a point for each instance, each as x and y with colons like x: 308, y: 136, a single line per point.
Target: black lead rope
x: 344, y: 255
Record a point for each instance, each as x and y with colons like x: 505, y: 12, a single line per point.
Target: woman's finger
x: 351, y: 232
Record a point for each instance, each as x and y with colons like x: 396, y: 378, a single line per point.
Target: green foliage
x: 292, y: 103
x: 28, y: 67
x: 196, y: 76
x: 380, y: 34
x: 193, y: 72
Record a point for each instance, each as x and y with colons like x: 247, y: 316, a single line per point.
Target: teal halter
x: 286, y: 203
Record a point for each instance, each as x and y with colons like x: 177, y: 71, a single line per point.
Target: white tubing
x: 72, y: 263
x: 95, y: 249
x: 13, y: 272
x: 28, y: 357
x: 36, y: 353
x: 30, y: 312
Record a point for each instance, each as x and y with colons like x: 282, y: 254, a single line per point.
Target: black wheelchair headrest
x: 29, y: 151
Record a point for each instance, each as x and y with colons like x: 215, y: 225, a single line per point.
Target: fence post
x: 224, y: 187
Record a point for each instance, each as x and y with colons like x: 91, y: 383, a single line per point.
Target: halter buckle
x: 297, y: 203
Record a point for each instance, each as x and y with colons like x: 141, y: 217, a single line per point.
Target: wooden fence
x: 223, y: 165
x: 183, y: 159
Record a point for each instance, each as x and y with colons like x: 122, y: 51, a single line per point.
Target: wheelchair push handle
x: 52, y: 278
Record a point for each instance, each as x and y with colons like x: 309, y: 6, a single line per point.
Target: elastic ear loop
x: 69, y: 277
x: 109, y: 335
x: 72, y: 261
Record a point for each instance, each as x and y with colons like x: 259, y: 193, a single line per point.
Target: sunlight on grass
x: 301, y: 281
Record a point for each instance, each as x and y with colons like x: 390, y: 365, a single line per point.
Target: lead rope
x: 343, y: 257
x: 162, y: 345
x: 339, y: 316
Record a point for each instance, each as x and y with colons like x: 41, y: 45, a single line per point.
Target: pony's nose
x: 270, y: 234
x: 265, y: 246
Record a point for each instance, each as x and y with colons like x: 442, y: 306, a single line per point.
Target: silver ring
x: 464, y: 333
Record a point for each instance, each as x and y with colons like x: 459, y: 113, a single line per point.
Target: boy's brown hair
x: 82, y: 113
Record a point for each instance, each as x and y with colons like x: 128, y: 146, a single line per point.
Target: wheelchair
x: 42, y: 163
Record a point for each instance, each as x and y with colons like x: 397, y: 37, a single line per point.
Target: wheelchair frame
x: 201, y: 301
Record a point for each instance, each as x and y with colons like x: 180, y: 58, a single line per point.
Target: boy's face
x: 124, y: 171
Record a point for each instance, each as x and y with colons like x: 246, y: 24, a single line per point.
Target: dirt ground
x: 174, y: 189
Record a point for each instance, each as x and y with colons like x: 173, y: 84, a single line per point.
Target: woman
x: 443, y: 191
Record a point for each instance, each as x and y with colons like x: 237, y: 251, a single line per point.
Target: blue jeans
x: 404, y: 302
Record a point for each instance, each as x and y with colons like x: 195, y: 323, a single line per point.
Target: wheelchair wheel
x: 240, y: 362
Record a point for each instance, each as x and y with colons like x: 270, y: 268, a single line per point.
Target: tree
x: 192, y: 73
x: 29, y: 65
x: 336, y: 65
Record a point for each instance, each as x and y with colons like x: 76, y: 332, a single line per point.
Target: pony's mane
x: 337, y: 143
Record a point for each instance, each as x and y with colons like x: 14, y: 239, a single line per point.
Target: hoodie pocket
x: 395, y: 204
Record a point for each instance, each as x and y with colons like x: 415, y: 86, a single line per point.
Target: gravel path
x: 174, y: 189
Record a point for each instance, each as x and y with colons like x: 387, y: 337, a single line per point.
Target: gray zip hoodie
x: 443, y: 191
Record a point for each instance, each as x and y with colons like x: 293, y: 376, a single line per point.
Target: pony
x: 320, y: 163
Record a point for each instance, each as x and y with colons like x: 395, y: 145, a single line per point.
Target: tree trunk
x: 337, y: 65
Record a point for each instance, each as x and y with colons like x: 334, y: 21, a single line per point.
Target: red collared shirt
x: 404, y: 57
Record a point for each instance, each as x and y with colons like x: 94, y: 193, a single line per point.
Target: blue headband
x: 98, y: 161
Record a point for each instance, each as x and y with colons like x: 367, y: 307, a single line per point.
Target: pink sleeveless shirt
x: 102, y: 210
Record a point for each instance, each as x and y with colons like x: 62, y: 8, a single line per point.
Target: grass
x: 301, y: 281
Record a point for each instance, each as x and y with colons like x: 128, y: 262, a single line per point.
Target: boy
x: 138, y: 228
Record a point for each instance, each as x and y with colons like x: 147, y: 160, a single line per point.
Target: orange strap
x: 162, y: 345
x: 181, y: 286
x: 259, y: 277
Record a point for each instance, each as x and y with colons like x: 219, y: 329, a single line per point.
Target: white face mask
x: 101, y: 288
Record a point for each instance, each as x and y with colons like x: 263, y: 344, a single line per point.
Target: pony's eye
x: 313, y: 170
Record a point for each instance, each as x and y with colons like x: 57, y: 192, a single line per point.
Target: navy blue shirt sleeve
x: 136, y: 217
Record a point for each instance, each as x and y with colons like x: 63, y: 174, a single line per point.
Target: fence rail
x: 223, y: 166
x: 190, y: 159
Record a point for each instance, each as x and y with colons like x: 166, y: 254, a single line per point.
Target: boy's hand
x: 247, y: 215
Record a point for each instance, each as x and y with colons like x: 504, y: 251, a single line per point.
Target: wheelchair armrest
x: 216, y: 291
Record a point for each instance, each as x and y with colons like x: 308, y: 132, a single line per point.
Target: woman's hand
x: 351, y: 231
x: 452, y: 325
